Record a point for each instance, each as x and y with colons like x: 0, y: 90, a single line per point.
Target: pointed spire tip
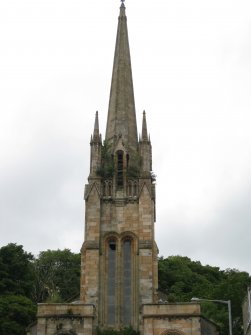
x: 122, y: 8
x: 121, y: 111
x: 96, y: 125
x: 144, y: 127
x: 96, y: 134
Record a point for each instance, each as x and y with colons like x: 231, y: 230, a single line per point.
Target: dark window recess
x: 127, y: 282
x: 111, y: 284
x: 120, y: 169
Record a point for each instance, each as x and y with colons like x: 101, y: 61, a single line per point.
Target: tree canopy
x: 16, y: 270
x: 16, y: 286
x: 54, y: 276
x: 181, y: 279
x: 57, y: 276
x: 16, y: 313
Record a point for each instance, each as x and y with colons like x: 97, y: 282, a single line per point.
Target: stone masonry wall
x: 59, y: 318
x: 174, y: 319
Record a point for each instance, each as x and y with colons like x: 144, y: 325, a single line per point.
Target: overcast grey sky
x: 192, y: 74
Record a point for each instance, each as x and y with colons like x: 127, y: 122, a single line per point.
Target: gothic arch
x: 128, y: 234
x: 110, y: 235
x: 133, y: 237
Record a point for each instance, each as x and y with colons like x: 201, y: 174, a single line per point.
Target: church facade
x: 119, y: 269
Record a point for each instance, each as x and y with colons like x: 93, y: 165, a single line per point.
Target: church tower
x: 119, y: 254
x: 119, y: 271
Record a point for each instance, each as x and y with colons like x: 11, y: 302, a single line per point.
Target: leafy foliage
x: 133, y: 169
x: 16, y: 273
x: 16, y: 313
x: 57, y: 276
x: 182, y: 279
x: 16, y: 282
x: 107, y: 162
x: 54, y: 276
x: 107, y: 168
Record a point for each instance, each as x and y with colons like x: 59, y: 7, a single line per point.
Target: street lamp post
x: 226, y: 302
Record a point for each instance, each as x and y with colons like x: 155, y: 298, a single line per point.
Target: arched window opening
x: 127, y: 281
x: 111, y: 282
x: 120, y: 168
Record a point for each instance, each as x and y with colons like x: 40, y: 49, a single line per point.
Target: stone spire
x: 96, y: 135
x: 144, y: 128
x: 145, y: 149
x: 96, y: 143
x: 121, y: 120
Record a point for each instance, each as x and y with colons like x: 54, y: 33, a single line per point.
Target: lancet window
x: 127, y: 280
x: 111, y: 283
x: 120, y: 269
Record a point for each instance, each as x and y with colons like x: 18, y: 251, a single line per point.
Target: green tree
x: 181, y: 279
x: 184, y: 279
x: 233, y: 287
x: 16, y: 270
x: 57, y: 276
x: 16, y: 313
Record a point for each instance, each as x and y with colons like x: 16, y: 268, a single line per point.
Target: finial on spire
x: 122, y: 3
